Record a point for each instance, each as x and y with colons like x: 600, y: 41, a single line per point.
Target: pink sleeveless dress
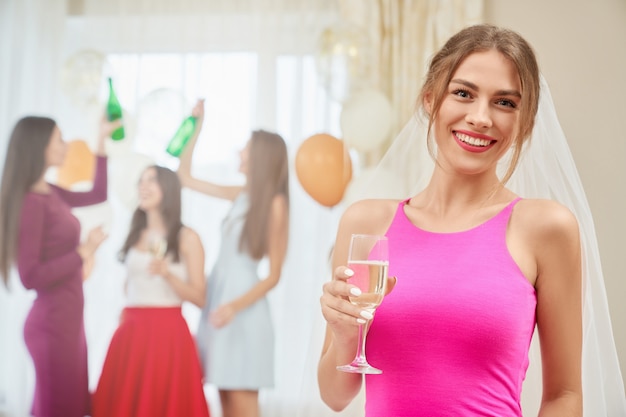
x: 453, y: 336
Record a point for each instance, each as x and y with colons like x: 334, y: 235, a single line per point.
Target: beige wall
x: 581, y: 46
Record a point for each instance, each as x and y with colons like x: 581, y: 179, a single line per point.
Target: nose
x: 141, y: 185
x: 479, y: 116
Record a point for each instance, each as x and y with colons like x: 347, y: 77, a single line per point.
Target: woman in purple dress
x: 40, y: 234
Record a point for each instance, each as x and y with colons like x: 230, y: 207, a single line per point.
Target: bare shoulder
x: 189, y: 239
x: 546, y: 220
x: 280, y: 205
x: 369, y: 216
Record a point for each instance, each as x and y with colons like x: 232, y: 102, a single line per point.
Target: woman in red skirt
x: 151, y: 368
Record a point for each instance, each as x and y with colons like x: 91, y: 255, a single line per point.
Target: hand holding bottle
x: 105, y: 131
x: 114, y: 112
x: 189, y: 129
x: 198, y: 113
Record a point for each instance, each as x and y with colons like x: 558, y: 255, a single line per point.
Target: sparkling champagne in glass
x: 157, y: 245
x: 369, y: 259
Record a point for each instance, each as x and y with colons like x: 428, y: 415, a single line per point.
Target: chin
x: 146, y: 206
x: 59, y: 162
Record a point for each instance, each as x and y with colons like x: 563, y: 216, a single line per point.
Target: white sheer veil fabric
x: 545, y: 170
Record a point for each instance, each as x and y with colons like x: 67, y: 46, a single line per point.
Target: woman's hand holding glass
x: 352, y: 296
x: 157, y: 246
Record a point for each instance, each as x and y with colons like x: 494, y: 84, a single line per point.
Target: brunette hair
x: 481, y: 38
x: 268, y: 176
x: 25, y: 163
x: 170, y: 210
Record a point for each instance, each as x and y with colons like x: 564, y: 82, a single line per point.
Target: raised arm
x: 98, y: 192
x: 184, y: 169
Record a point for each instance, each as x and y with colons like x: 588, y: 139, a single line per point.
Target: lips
x: 473, y: 143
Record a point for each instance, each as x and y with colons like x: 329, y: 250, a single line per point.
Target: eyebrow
x: 473, y: 86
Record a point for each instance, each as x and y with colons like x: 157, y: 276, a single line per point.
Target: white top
x: 144, y: 289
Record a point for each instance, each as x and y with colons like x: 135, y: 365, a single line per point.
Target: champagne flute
x: 369, y: 259
x: 157, y: 245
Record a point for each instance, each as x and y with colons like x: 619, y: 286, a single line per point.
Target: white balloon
x: 81, y: 76
x: 159, y: 115
x: 124, y: 172
x: 366, y: 120
x: 94, y: 216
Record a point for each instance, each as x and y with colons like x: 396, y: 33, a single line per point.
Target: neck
x: 458, y: 203
x: 463, y: 189
x: 41, y: 186
x: 154, y: 221
x: 454, y: 195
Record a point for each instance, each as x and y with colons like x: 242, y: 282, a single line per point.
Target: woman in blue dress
x: 235, y: 336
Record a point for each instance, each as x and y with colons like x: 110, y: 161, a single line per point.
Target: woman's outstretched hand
x: 198, y: 113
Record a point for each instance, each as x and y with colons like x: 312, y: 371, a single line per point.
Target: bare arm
x: 184, y: 169
x: 277, y: 248
x: 98, y: 193
x: 559, y: 311
x: 192, y: 254
x: 338, y: 388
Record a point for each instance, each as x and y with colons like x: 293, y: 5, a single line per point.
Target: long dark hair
x: 170, y: 210
x: 268, y: 176
x: 24, y: 165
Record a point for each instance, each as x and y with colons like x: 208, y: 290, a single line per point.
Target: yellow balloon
x: 78, y: 166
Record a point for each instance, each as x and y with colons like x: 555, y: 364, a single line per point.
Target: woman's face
x: 150, y: 193
x: 244, y: 158
x: 478, y: 118
x: 56, y: 149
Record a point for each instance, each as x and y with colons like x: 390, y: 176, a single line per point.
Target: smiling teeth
x: 472, y: 140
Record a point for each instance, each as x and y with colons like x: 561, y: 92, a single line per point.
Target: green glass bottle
x: 114, y: 112
x: 182, y: 136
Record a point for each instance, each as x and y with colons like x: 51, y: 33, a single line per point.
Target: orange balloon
x: 79, y: 164
x: 324, y: 168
